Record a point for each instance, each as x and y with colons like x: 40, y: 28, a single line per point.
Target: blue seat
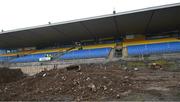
x: 6, y: 58
x: 2, y: 58
x: 29, y: 58
x: 85, y: 54
x: 146, y: 49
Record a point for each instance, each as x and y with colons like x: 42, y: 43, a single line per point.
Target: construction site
x: 126, y: 56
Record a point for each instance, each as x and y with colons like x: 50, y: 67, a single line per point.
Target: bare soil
x: 96, y: 82
x: 10, y: 75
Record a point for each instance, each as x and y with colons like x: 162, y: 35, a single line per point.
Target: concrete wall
x: 31, y: 70
x: 36, y: 67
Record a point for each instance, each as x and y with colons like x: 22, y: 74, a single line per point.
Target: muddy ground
x: 97, y: 82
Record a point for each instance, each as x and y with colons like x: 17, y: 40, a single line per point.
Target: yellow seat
x: 112, y: 45
x: 140, y: 42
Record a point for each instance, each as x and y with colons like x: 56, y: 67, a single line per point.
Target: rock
x: 117, y: 96
x: 79, y: 98
x: 125, y: 68
x: 158, y: 88
x: 105, y: 68
x: 63, y: 78
x: 110, y: 82
x: 104, y: 77
x: 44, y: 74
x: 126, y: 93
x: 79, y: 87
x: 79, y: 70
x: 88, y: 78
x: 92, y: 87
x: 22, y: 84
x: 126, y: 77
x: 136, y: 69
x: 56, y: 75
x: 50, y: 88
x: 155, y: 66
x: 105, y: 88
x: 5, y: 88
x: 76, y: 82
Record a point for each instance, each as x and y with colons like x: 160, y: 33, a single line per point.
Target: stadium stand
x: 86, y: 51
x: 112, y: 45
x: 135, y: 47
x: 76, y: 54
x: 136, y: 38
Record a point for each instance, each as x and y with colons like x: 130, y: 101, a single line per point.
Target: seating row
x: 77, y: 54
x: 158, y: 48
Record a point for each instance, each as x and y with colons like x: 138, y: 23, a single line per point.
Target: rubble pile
x: 104, y: 82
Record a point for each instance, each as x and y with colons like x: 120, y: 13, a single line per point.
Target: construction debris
x: 94, y: 82
x: 155, y: 66
x: 136, y: 69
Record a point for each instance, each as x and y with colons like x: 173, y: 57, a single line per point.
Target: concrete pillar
x: 124, y: 52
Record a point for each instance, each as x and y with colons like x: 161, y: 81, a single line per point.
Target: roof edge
x: 95, y: 17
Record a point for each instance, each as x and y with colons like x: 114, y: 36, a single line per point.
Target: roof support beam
x: 178, y: 27
x: 88, y: 30
x: 177, y: 20
x: 116, y: 26
x: 149, y: 21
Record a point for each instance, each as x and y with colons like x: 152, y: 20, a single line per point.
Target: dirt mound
x: 10, y: 75
x: 89, y: 82
x: 94, y: 82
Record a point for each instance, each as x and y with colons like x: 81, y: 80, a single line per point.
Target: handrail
x: 56, y: 56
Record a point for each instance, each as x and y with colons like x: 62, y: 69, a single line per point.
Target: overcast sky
x: 25, y: 13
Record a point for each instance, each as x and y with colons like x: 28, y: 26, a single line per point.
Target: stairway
x: 111, y: 54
